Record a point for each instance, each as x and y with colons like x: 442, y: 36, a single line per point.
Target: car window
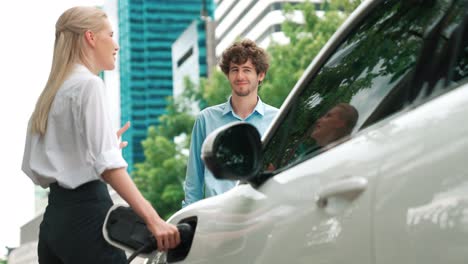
x: 456, y: 33
x: 460, y: 70
x: 361, y: 83
x: 443, y: 64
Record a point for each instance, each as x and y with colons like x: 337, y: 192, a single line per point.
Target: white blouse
x: 80, y: 142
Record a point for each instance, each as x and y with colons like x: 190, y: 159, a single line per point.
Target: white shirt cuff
x: 111, y: 159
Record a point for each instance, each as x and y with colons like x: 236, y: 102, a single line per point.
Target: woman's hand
x: 167, y: 235
x: 120, y: 132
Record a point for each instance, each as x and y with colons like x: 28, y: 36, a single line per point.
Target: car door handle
x: 348, y: 188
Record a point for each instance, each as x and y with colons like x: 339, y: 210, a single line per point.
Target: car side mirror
x: 233, y: 152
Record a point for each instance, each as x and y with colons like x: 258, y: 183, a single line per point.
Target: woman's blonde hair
x: 69, y: 48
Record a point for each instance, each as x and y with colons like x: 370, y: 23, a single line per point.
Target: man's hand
x: 122, y: 130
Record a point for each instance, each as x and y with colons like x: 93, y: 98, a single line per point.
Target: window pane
x: 443, y: 61
x: 460, y: 71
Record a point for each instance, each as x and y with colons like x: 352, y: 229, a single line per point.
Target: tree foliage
x: 160, y: 176
x: 288, y: 62
x: 214, y: 90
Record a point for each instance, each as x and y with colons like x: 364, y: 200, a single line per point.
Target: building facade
x: 147, y: 30
x: 258, y: 20
x: 190, y: 55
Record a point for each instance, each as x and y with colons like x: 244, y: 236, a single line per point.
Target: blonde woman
x: 72, y: 148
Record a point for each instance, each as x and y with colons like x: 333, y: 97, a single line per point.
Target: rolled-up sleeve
x: 110, y: 159
x: 99, y: 136
x: 26, y: 164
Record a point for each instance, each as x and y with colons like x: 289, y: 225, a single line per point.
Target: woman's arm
x: 166, y: 234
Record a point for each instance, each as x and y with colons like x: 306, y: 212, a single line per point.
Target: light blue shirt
x: 199, y: 182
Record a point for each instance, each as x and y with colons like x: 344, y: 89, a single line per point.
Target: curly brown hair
x: 240, y: 52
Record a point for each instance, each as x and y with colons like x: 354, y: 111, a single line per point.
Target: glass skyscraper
x: 147, y: 30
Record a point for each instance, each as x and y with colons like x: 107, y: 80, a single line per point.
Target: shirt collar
x: 79, y: 68
x: 259, y: 108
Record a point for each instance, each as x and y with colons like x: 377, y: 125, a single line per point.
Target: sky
x: 26, y: 44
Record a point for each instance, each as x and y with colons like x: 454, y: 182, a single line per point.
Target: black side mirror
x: 233, y: 152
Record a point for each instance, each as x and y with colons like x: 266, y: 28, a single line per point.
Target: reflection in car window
x: 367, y: 72
x: 443, y: 60
x: 456, y: 31
x: 461, y: 66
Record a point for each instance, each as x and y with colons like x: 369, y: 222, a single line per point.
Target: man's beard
x: 242, y: 94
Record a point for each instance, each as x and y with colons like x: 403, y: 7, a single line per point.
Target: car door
x: 421, y: 206
x: 318, y: 211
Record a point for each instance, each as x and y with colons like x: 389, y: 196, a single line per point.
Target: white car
x: 393, y: 188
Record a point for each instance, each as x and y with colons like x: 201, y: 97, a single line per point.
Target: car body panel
x: 421, y: 207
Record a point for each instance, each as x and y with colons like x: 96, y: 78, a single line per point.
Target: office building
x: 191, y: 56
x: 258, y: 20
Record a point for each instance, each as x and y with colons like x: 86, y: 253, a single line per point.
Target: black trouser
x: 71, y: 231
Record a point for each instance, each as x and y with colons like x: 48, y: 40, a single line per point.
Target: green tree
x: 214, y: 90
x: 288, y: 62
x: 160, y: 176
